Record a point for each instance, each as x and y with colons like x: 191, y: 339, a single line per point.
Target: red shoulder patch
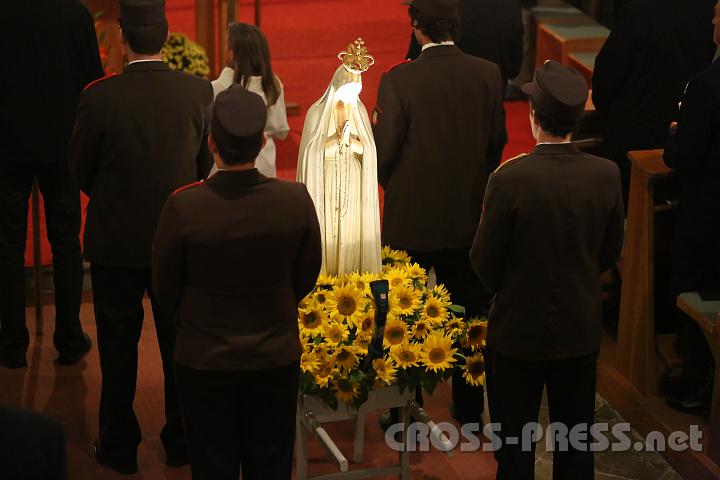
x: 185, y: 187
x: 393, y: 67
x: 98, y: 81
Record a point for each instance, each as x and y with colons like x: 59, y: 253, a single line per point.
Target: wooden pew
x: 557, y: 42
x: 583, y: 62
x: 706, y: 315
x: 636, y: 331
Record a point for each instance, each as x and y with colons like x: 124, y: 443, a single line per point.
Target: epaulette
x: 511, y: 160
x: 98, y: 81
x: 185, y: 187
x: 393, y: 67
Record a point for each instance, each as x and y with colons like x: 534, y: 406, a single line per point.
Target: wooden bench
x: 705, y: 314
x: 583, y: 62
x: 557, y: 42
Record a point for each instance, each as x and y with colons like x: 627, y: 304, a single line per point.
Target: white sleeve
x: 277, y: 124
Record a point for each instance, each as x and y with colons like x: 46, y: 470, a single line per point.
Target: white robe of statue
x: 338, y: 164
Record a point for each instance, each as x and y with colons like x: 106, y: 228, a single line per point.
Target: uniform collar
x: 430, y: 45
x: 441, y: 50
x: 555, y: 149
x: 146, y: 66
x: 235, y: 177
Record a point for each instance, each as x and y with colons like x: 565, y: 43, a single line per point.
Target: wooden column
x: 205, y: 33
x: 636, y: 331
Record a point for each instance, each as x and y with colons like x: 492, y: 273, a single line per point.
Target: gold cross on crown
x: 355, y: 57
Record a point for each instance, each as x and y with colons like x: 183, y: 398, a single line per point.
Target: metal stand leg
x: 37, y: 258
x: 405, y: 454
x: 358, y: 452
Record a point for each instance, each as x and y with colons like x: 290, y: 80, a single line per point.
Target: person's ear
x: 212, y: 145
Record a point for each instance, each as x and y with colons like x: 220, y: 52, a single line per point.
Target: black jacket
x: 552, y: 223
x: 489, y: 29
x: 641, y: 71
x: 138, y: 137
x: 694, y: 154
x: 50, y: 54
x: 232, y: 258
x: 438, y: 130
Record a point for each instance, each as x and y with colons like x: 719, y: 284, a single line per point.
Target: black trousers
x: 239, y: 418
x: 515, y: 390
x: 118, y: 293
x: 453, y: 269
x: 62, y: 213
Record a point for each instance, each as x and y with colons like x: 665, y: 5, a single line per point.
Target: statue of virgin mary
x: 338, y: 164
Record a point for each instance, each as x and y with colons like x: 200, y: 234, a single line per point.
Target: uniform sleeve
x: 612, y: 243
x: 389, y: 128
x: 85, y: 143
x: 168, y: 260
x: 309, y: 256
x: 687, y: 150
x: 277, y: 122
x: 204, y: 158
x: 614, y: 62
x: 492, y: 238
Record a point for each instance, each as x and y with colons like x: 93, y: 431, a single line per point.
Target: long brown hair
x: 252, y: 59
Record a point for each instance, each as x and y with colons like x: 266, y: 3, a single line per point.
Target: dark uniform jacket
x: 438, y: 128
x: 50, y: 54
x: 232, y: 258
x: 138, y: 137
x: 489, y: 29
x: 694, y: 153
x: 641, y: 71
x: 552, y: 223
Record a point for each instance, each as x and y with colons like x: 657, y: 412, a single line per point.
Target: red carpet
x: 305, y: 37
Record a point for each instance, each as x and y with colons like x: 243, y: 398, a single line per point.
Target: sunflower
x: 361, y: 282
x: 327, y: 281
x: 346, y: 357
x: 421, y: 329
x: 366, y: 325
x: 392, y: 257
x: 474, y: 370
x: 416, y: 272
x: 476, y: 334
x: 324, y: 373
x: 437, y: 352
x: 309, y: 363
x: 406, y: 355
x: 320, y: 297
x: 408, y: 299
x: 395, y: 332
x: 442, y: 294
x: 454, y: 325
x: 434, y: 310
x: 385, y: 371
x: 312, y: 319
x: 346, y: 303
x: 335, y: 332
x: 396, y: 277
x: 345, y: 390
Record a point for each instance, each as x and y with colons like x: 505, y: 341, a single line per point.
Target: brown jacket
x: 552, y: 223
x: 438, y: 129
x: 232, y: 257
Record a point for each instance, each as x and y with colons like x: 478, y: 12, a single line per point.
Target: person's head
x: 558, y: 95
x: 249, y: 55
x: 236, y: 129
x: 144, y: 26
x: 434, y: 20
x: 716, y: 22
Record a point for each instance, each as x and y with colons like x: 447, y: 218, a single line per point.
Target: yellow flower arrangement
x: 184, y: 55
x: 423, y: 342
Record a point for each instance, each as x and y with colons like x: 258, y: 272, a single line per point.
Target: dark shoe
x: 691, y: 406
x: 177, y: 459
x: 73, y: 357
x: 122, y: 464
x: 16, y: 360
x: 463, y: 420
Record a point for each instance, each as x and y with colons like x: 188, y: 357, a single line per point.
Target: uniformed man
x: 552, y: 223
x: 438, y: 129
x: 51, y: 54
x: 238, y: 345
x: 138, y: 137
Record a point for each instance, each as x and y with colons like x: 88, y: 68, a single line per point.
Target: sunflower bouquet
x: 425, y: 337
x: 184, y: 55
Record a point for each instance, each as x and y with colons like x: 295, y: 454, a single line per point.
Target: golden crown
x: 355, y: 57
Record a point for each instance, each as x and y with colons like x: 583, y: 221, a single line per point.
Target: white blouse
x: 276, y: 126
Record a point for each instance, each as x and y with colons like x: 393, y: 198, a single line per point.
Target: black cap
x: 142, y: 13
x: 238, y: 121
x: 558, y: 92
x: 435, y: 8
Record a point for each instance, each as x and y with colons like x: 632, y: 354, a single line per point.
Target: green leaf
x: 459, y: 309
x: 429, y: 382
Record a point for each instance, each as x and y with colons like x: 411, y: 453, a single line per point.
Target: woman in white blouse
x: 248, y: 63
